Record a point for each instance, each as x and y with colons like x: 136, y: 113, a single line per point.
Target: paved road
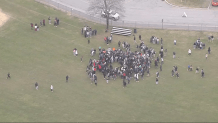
x: 153, y: 11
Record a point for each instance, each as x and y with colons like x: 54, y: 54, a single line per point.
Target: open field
x: 47, y: 57
x: 191, y: 3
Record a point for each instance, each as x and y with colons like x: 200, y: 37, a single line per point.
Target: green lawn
x: 191, y: 3
x: 47, y: 57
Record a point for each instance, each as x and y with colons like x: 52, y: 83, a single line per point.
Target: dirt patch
x: 3, y: 18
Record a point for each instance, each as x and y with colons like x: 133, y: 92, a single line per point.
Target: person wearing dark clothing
x: 202, y: 74
x: 43, y: 22
x: 209, y: 50
x: 88, y: 41
x: 95, y: 80
x: 128, y: 78
x: 36, y: 86
x: 9, y: 76
x: 172, y: 73
x: 156, y: 80
x: 140, y: 37
x: 119, y: 44
x: 174, y: 54
x: 124, y: 83
x: 57, y: 21
x: 67, y: 77
x: 177, y: 75
x: 31, y: 25
x: 160, y: 67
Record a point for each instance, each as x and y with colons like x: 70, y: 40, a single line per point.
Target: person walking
x: 9, y: 76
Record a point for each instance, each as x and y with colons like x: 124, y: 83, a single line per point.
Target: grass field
x: 47, y: 57
x: 191, y: 3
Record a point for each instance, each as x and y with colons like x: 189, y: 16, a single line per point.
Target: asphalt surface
x: 155, y: 11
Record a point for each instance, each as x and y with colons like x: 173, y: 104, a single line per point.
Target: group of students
x: 132, y: 64
x: 42, y: 23
x: 88, y: 31
x: 36, y: 27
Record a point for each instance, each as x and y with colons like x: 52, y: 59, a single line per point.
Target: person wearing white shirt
x: 174, y: 42
x: 51, y: 88
x: 189, y: 52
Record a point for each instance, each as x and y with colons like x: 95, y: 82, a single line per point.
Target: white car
x: 112, y: 15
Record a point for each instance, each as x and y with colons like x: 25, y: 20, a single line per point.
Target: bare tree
x: 97, y: 6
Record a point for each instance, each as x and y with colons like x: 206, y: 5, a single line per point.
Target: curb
x: 183, y: 7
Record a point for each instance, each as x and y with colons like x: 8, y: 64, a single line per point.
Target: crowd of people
x: 132, y: 64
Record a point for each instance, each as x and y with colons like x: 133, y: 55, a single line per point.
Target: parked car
x: 214, y: 2
x: 112, y: 15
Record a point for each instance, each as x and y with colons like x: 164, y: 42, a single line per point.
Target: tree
x: 97, y: 6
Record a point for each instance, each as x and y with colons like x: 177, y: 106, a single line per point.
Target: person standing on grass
x: 208, y: 50
x: 172, y: 73
x: 157, y: 73
x: 197, y: 70
x: 52, y: 88
x: 156, y: 80
x: 161, y: 40
x: 161, y: 67
x: 177, y: 75
x: 134, y: 40
x: 67, y: 77
x: 174, y: 42
x: 40, y: 23
x: 174, y: 54
x: 124, y: 83
x: 49, y: 20
x: 43, y: 22
x: 36, y: 86
x: 31, y: 25
x: 202, y: 74
x: 206, y: 55
x: 140, y: 37
x: 35, y: 27
x: 9, y: 76
x: 95, y: 80
x: 119, y: 44
x: 189, y: 52
x: 88, y: 41
x: 82, y: 59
